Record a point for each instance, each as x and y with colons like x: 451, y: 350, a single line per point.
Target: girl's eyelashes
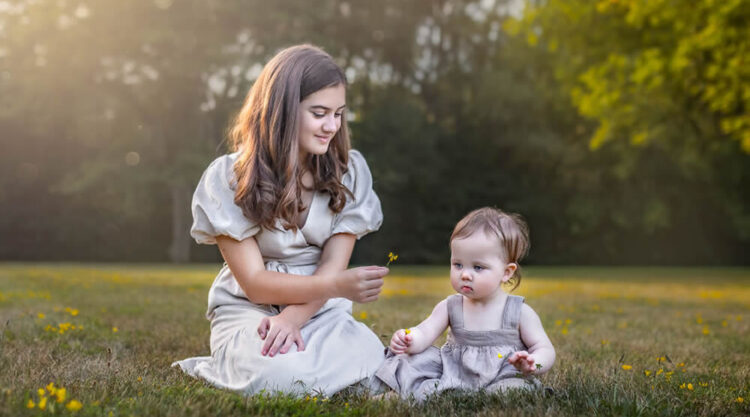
x: 457, y: 265
x: 478, y: 268
x: 322, y: 115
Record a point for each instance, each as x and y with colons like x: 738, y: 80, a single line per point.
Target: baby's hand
x: 523, y: 361
x: 400, y: 341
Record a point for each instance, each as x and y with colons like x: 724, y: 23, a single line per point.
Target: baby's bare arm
x: 422, y: 336
x: 541, y: 351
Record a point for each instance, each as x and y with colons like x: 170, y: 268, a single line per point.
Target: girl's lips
x: 323, y: 138
x: 465, y: 288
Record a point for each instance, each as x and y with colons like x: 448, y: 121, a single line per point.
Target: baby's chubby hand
x: 523, y: 361
x: 401, y: 341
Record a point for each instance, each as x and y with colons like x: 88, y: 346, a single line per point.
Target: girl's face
x: 320, y: 116
x: 478, y: 268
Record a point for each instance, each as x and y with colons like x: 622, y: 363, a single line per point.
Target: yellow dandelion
x: 669, y: 373
x: 558, y: 322
x: 605, y: 342
x: 681, y: 364
x: 627, y: 367
x: 568, y: 321
x: 724, y: 323
x: 407, y: 331
x: 659, y: 371
x: 391, y: 258
x: 646, y: 372
x: 738, y: 317
x: 115, y: 330
x: 682, y: 386
x: 690, y: 387
x: 75, y: 405
x: 703, y: 384
x: 40, y: 315
x: 499, y: 355
x: 51, y: 388
x: 140, y: 379
x: 739, y: 400
x: 42, y: 403
x: 363, y: 315
x: 30, y: 404
x: 564, y: 330
x: 41, y: 392
x: 705, y: 330
x: 61, y: 394
x: 74, y: 312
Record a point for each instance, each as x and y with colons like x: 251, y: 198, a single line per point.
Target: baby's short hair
x: 510, y: 228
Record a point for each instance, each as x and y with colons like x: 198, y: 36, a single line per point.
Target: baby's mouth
x: 466, y: 288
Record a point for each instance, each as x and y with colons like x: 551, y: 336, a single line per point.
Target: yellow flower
x: 690, y: 387
x: 40, y: 315
x: 627, y: 367
x: 115, y: 330
x: 681, y: 364
x: 407, y: 331
x: 739, y: 400
x: 724, y: 323
x: 40, y: 391
x: 682, y: 386
x: 605, y: 342
x: 391, y: 258
x: 74, y: 405
x: 140, y: 379
x: 705, y: 330
x: 564, y: 330
x: 499, y: 355
x: 43, y: 403
x: 51, y: 388
x: 647, y: 372
x: 703, y: 384
x: 30, y: 404
x: 568, y: 321
x: 61, y: 394
x: 659, y: 371
x: 363, y: 315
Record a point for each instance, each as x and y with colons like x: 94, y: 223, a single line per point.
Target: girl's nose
x: 466, y: 275
x: 329, y: 126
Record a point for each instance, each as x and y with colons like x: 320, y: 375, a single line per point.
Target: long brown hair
x: 265, y: 131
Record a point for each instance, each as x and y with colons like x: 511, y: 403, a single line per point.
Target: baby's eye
x: 478, y: 268
x: 457, y: 265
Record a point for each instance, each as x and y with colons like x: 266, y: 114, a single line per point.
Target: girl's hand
x: 361, y: 284
x: 400, y: 342
x: 279, y: 333
x: 523, y: 361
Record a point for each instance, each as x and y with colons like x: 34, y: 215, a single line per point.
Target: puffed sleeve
x: 361, y: 215
x: 214, y: 211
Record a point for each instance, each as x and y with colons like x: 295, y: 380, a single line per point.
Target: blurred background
x: 619, y: 129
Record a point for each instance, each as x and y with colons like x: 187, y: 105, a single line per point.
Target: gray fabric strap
x: 512, y: 312
x: 456, y: 311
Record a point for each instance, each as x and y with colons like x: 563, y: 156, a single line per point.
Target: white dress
x: 339, y: 351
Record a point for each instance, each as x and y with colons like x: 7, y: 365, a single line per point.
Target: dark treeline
x: 109, y: 112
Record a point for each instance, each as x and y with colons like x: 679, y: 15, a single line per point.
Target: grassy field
x: 630, y: 341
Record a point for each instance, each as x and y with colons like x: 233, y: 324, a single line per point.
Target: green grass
x: 599, y: 319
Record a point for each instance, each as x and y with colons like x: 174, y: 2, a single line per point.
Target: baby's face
x: 477, y: 266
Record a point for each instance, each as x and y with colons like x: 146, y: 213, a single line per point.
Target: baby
x: 495, y: 341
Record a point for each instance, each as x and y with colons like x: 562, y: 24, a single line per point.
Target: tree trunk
x: 179, y: 249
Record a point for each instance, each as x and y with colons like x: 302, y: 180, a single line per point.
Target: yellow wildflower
x: 61, y: 394
x: 407, y: 331
x: 363, y: 315
x: 30, y: 404
x: 558, y: 322
x: 499, y: 355
x: 682, y: 386
x: 659, y: 371
x: 681, y: 364
x: 705, y: 330
x: 40, y: 391
x: 627, y: 367
x: 391, y: 258
x: 690, y: 387
x: 646, y: 372
x: 724, y: 323
x: 74, y: 405
x: 568, y: 321
x: 703, y: 384
x: 605, y: 342
x: 564, y: 330
x: 115, y: 330
x: 40, y: 315
x: 140, y: 379
x: 42, y: 403
x: 739, y: 400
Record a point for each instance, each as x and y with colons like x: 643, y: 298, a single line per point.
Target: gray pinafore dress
x: 467, y: 361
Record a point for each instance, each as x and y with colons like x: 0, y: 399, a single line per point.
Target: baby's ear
x: 510, y: 270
